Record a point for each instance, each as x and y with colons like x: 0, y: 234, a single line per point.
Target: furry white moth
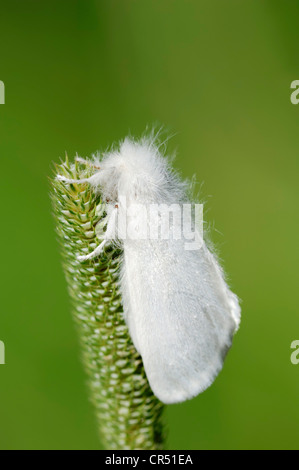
x: 179, y: 310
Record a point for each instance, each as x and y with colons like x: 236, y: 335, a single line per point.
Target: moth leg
x: 91, y: 180
x: 64, y: 179
x: 94, y: 253
x: 109, y: 235
x: 86, y: 162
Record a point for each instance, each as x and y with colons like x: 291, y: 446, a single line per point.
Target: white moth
x: 179, y: 310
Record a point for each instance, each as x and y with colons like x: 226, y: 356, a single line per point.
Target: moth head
x: 137, y: 171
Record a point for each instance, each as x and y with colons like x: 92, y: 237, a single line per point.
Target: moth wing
x: 181, y: 316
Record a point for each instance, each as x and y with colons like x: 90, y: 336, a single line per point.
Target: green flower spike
x: 129, y: 416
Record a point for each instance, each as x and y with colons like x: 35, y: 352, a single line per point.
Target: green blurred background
x: 80, y: 75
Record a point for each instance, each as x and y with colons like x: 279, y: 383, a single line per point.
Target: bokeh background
x: 80, y: 75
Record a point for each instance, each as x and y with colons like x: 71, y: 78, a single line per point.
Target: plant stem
x: 129, y: 416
